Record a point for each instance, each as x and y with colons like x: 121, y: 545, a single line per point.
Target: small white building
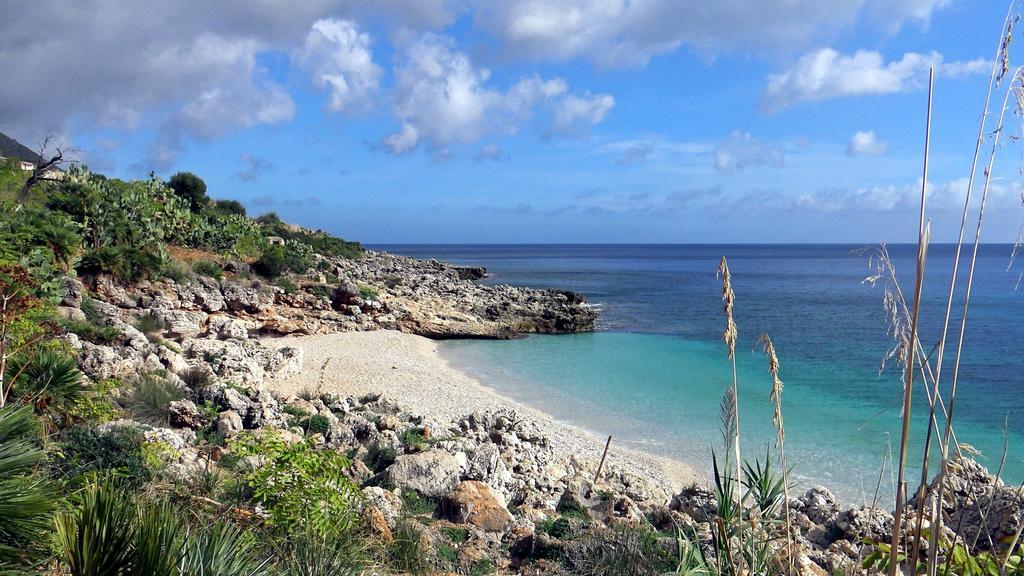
x: 26, y: 166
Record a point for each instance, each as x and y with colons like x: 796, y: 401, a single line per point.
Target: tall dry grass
x: 906, y: 544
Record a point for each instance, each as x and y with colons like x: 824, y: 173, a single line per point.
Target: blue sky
x: 528, y: 121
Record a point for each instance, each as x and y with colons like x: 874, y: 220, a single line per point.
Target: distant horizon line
x: 1009, y: 244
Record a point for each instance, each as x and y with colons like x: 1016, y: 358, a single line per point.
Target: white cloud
x: 866, y: 143
x: 941, y: 197
x: 338, y: 58
x: 623, y: 32
x: 442, y: 99
x: 574, y: 114
x: 825, y: 74
x: 741, y: 150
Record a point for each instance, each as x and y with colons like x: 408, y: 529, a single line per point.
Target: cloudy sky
x: 526, y: 120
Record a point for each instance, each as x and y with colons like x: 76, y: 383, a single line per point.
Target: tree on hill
x: 44, y: 167
x: 190, y: 187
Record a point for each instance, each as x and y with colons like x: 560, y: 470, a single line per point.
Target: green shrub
x: 86, y: 449
x: 108, y: 532
x: 208, y: 268
x: 125, y: 263
x: 190, y: 188
x: 176, y: 271
x: 320, y: 291
x: 624, y: 552
x: 97, y: 536
x: 287, y: 285
x: 318, y: 424
x: 446, y: 556
x: 227, y: 208
x: 97, y: 406
x: 456, y: 534
x: 368, y: 292
x: 301, y: 487
x: 485, y: 567
x: 277, y: 260
x: 91, y: 332
x: 151, y: 396
x: 150, y: 323
x: 413, y: 437
x: 417, y: 505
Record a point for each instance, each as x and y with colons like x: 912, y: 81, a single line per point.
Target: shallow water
x: 655, y: 374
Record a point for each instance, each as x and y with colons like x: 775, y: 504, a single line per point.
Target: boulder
x: 229, y: 424
x: 227, y: 328
x: 389, y: 503
x: 182, y: 323
x: 433, y: 473
x: 345, y: 294
x: 286, y: 361
x: 72, y: 293
x: 71, y: 313
x: 473, y: 502
x: 185, y: 414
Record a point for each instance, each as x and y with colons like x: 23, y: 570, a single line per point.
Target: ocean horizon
x: 654, y: 372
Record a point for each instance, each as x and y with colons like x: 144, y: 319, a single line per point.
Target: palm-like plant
x: 62, y: 236
x: 48, y: 377
x: 25, y: 501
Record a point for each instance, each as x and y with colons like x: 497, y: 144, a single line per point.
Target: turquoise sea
x: 654, y: 374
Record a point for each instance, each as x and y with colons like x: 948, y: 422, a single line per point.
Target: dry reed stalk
x: 1015, y: 89
x: 1000, y: 66
x: 729, y: 336
x: 919, y: 520
x: 923, y: 231
x: 780, y: 438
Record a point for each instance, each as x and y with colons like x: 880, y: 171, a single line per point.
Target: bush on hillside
x: 277, y: 259
x: 190, y: 188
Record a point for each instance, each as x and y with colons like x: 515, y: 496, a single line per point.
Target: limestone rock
x: 432, y: 473
x: 229, y: 424
x: 473, y: 502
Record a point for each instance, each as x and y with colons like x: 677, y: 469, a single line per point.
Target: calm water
x: 655, y: 372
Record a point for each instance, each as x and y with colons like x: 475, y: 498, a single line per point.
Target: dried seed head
x: 728, y: 301
x: 776, y: 394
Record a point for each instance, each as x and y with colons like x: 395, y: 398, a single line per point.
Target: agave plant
x: 26, y: 503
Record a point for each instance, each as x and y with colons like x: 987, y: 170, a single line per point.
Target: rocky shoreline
x: 495, y: 475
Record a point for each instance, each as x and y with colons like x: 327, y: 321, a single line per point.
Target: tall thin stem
x: 922, y: 250
x: 1001, y: 46
x: 944, y: 469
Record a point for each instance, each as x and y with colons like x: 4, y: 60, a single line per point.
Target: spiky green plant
x: 223, y: 550
x: 26, y: 502
x: 47, y: 377
x: 96, y: 537
x: 158, y: 543
x: 313, y: 554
